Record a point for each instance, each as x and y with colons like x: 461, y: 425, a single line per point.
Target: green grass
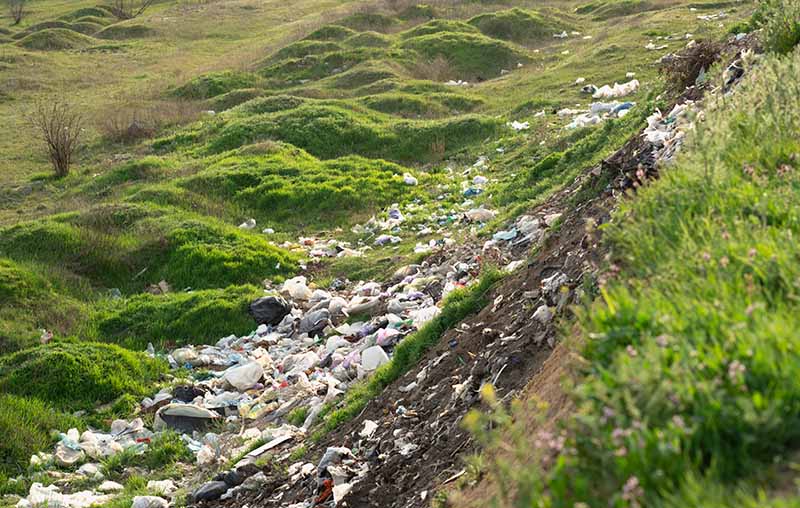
x: 54, y: 39
x: 166, y: 449
x: 457, y: 306
x: 30, y: 422
x: 73, y: 376
x: 175, y: 319
x: 691, y: 353
x: 518, y: 25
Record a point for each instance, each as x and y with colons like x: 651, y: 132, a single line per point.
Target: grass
x: 458, y: 305
x: 166, y: 449
x: 689, y: 392
x: 73, y: 376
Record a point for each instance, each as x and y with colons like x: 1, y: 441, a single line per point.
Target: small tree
x: 129, y: 9
x: 60, y: 127
x: 16, y: 8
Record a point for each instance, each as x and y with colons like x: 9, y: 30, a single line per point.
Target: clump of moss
x: 216, y: 83
x: 74, y: 376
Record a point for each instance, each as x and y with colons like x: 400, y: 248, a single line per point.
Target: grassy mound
x: 147, y: 168
x: 120, y: 32
x: 315, y: 67
x: 287, y: 186
x: 517, y: 25
x: 99, y: 12
x: 301, y: 49
x: 421, y: 106
x: 604, y: 10
x: 330, y: 33
x: 470, y: 55
x: 216, y: 83
x: 174, y: 319
x: 73, y: 376
x: 361, y: 76
x: 30, y: 422
x: 439, y: 26
x: 368, y: 40
x: 31, y: 301
x: 420, y: 11
x: 270, y: 104
x: 233, y: 98
x: 109, y: 245
x: 38, y: 27
x: 363, y: 22
x: 328, y: 131
x: 86, y: 27
x: 53, y: 39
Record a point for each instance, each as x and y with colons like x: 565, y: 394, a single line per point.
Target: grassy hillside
x: 304, y: 116
x: 686, y: 393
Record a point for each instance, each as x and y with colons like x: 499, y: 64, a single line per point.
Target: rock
x: 269, y: 310
x: 210, y: 491
x: 373, y: 357
x: 149, y: 502
x: 314, y: 322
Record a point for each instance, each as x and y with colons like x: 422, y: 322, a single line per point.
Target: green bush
x: 74, y: 376
x: 780, y: 20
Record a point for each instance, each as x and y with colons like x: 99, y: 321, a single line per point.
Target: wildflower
x: 724, y: 261
x: 752, y: 253
x: 726, y: 235
x: 706, y: 256
x: 662, y: 340
x: 784, y: 170
x: 632, y: 491
x: 621, y: 452
x: 736, y: 370
x: 631, y: 351
x: 749, y: 170
x: 678, y: 421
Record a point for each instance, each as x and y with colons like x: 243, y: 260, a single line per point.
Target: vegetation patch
x: 175, y: 319
x: 73, y: 376
x: 216, y: 83
x: 30, y: 422
x: 518, y: 25
x: 286, y: 186
x: 437, y: 26
x: 54, y: 39
x: 362, y: 22
x: 368, y: 40
x: 471, y: 56
x: 120, y: 32
x: 304, y: 48
x: 605, y: 10
x: 331, y: 33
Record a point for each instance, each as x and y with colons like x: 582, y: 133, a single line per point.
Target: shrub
x: 780, y: 20
x: 129, y: 9
x: 16, y: 9
x: 130, y: 124
x: 60, y: 126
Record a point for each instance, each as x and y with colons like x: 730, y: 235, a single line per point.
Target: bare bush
x: 16, y: 9
x: 129, y: 9
x: 436, y: 69
x: 60, y: 126
x: 137, y: 122
x: 683, y: 68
